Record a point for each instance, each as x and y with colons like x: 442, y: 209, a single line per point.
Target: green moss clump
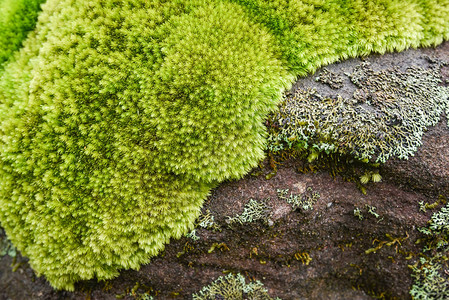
x: 118, y: 117
x: 104, y: 118
x: 218, y: 81
x: 17, y: 18
x: 314, y: 33
x: 233, y: 287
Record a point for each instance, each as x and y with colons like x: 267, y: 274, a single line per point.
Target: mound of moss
x: 114, y: 130
x: 118, y: 117
x: 17, y: 18
x: 314, y: 33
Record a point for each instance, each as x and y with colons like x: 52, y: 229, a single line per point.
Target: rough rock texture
x: 349, y: 246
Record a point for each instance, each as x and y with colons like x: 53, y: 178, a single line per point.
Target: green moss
x: 222, y: 78
x: 118, y: 117
x: 311, y: 34
x: 368, y: 176
x: 233, y: 287
x: 17, y: 18
x: 103, y: 155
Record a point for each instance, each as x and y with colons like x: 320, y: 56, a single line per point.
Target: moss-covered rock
x: 117, y: 117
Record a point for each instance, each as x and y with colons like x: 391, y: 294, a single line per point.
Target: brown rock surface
x: 323, y: 253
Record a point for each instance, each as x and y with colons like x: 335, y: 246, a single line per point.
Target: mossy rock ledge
x: 307, y: 232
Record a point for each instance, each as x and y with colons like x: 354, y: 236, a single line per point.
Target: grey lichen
x: 253, y: 211
x: 386, y: 117
x: 233, y: 287
x: 205, y: 220
x: 430, y: 283
x: 334, y: 80
x: 192, y: 235
x: 440, y: 221
x: 304, y: 201
x: 358, y: 213
x: 6, y: 247
x: 371, y: 210
x: 438, y: 229
x: 431, y: 273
